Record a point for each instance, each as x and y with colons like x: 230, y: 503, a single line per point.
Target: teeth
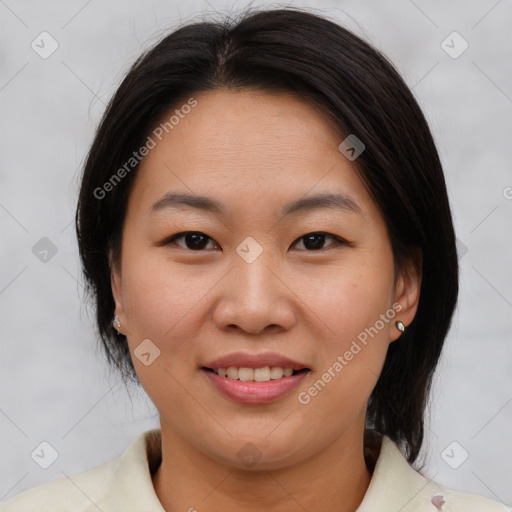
x: 261, y: 374
x: 255, y: 374
x: 245, y: 374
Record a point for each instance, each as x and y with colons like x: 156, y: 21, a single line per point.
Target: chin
x: 263, y: 453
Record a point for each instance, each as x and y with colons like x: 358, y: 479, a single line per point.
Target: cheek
x: 357, y: 309
x: 160, y: 299
x: 350, y: 298
x: 163, y: 304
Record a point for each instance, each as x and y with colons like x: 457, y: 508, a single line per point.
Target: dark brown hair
x: 300, y: 52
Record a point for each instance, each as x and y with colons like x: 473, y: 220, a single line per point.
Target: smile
x: 252, y: 391
x: 263, y: 374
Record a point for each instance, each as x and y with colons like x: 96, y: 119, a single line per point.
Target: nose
x: 255, y: 298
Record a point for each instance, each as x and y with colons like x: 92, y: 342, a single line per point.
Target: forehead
x: 248, y: 146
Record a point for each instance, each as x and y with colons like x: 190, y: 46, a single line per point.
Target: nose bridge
x: 255, y: 297
x: 253, y: 264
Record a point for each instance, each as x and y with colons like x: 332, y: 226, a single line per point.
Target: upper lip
x: 245, y: 360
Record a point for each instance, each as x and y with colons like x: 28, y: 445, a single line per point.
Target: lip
x: 253, y: 392
x: 245, y: 360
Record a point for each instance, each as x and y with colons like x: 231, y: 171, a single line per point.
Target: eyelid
x: 339, y: 240
x: 169, y: 239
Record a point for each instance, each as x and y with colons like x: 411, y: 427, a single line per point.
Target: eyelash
x: 339, y: 241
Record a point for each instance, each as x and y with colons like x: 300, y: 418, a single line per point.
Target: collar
x: 395, y: 485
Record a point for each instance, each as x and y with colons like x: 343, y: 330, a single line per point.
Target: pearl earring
x: 400, y: 326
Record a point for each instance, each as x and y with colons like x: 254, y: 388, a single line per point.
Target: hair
x: 295, y: 51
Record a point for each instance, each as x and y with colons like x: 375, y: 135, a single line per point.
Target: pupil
x: 196, y: 240
x: 319, y: 240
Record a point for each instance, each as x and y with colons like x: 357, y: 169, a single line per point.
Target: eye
x: 196, y: 241
x: 315, y: 240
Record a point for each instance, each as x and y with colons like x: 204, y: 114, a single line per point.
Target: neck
x: 335, y: 479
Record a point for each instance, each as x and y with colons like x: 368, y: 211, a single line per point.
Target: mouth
x: 262, y: 374
x: 254, y: 378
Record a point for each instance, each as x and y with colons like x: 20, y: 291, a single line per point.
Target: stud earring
x: 117, y: 323
x: 400, y: 326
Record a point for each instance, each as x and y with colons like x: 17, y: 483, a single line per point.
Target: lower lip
x: 255, y: 392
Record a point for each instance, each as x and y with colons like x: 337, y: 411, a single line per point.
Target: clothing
x: 125, y: 485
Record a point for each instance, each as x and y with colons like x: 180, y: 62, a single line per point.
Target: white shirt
x: 125, y: 485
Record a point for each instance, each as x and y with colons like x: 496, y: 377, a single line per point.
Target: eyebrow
x: 332, y: 201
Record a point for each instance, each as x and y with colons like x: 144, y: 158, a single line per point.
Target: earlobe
x: 116, y: 285
x: 407, y: 293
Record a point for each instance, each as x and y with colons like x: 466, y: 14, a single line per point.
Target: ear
x: 407, y: 291
x: 117, y: 290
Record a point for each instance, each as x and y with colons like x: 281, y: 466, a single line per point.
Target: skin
x: 254, y: 151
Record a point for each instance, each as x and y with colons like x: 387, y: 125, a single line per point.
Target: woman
x: 264, y: 225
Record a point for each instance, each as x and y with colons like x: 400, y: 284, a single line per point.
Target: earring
x: 400, y: 326
x: 117, y: 323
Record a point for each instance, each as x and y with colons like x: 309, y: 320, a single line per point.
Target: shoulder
x: 466, y: 502
x: 80, y: 491
x: 396, y: 485
x: 122, y: 484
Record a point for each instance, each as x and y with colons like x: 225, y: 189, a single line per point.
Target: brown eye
x: 197, y: 241
x: 193, y: 240
x: 315, y: 241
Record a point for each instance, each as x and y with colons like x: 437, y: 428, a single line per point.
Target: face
x: 257, y: 280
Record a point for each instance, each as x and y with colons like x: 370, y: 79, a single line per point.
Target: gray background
x: 55, y: 385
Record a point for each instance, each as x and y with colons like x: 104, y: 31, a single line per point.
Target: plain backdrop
x: 54, y: 382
